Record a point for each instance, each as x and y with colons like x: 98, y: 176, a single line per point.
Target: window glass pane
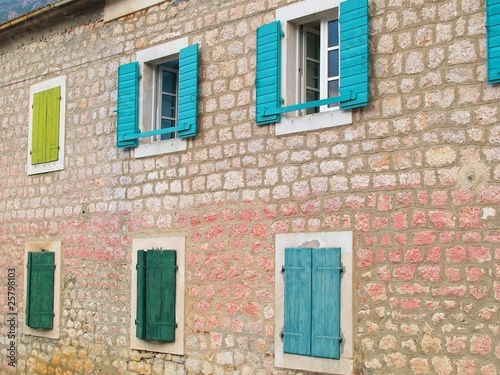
x: 312, y: 46
x: 333, y: 63
x: 333, y: 33
x: 167, y: 124
x: 312, y: 74
x: 169, y: 82
x: 333, y: 90
x: 310, y: 96
x: 168, y: 104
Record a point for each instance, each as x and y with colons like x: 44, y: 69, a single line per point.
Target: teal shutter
x: 297, y: 309
x: 188, y: 92
x: 268, y: 72
x: 140, y: 328
x: 128, y: 104
x: 493, y: 40
x: 353, y: 22
x: 40, y: 290
x: 326, y: 271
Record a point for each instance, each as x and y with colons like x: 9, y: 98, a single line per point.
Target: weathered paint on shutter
x: 52, y: 124
x: 140, y: 322
x: 353, y: 22
x: 127, y: 121
x: 297, y: 307
x: 493, y: 40
x: 325, y: 332
x: 268, y: 72
x: 38, y: 127
x: 188, y: 92
x: 160, y: 294
x: 40, y: 290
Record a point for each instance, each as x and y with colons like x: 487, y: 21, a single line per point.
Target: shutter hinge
x: 282, y: 334
x: 282, y: 34
x: 282, y: 269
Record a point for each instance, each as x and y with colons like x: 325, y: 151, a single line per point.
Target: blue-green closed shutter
x: 493, y: 40
x: 40, y: 290
x: 128, y: 104
x: 140, y: 321
x: 268, y: 72
x: 188, y: 91
x: 297, y: 309
x: 353, y: 22
x: 326, y: 270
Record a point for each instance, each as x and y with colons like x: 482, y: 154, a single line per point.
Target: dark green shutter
x: 45, y: 126
x: 297, y: 309
x: 326, y: 271
x: 493, y: 40
x: 127, y: 122
x: 188, y: 92
x: 156, y: 287
x: 40, y: 290
x: 268, y: 72
x: 353, y: 22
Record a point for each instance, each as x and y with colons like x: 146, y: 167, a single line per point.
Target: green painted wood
x: 326, y: 288
x: 40, y: 290
x: 297, y: 301
x: 354, y: 55
x: 268, y: 73
x: 187, y: 118
x: 140, y: 320
x: 493, y: 40
x: 127, y: 122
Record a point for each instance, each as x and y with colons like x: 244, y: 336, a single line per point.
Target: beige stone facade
x: 413, y: 178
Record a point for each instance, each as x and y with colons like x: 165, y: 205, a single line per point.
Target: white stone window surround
x: 166, y: 243
x: 291, y: 17
x: 344, y: 240
x: 59, y: 163
x: 118, y: 8
x: 55, y: 247
x: 148, y: 60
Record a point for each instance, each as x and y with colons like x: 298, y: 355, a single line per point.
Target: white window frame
x: 56, y: 248
x: 149, y: 60
x: 59, y: 163
x: 344, y: 240
x: 166, y: 243
x: 291, y: 18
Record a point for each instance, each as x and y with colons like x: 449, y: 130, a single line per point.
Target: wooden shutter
x: 45, y: 126
x: 268, y: 72
x: 326, y: 272
x: 297, y: 309
x: 40, y: 290
x: 493, y: 40
x: 353, y: 22
x: 128, y: 104
x: 188, y: 92
x: 140, y: 328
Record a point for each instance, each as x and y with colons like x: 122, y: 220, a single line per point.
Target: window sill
x: 316, y: 121
x: 159, y: 148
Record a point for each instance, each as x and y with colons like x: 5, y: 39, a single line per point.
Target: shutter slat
x: 40, y: 290
x: 188, y: 92
x: 297, y: 308
x: 493, y: 40
x: 140, y: 321
x: 353, y: 22
x: 127, y: 121
x: 326, y: 273
x: 268, y: 72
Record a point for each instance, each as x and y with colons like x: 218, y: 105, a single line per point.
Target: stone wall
x: 415, y: 177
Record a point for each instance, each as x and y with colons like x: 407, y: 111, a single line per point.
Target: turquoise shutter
x: 326, y: 271
x: 40, y: 290
x: 297, y: 309
x: 140, y: 328
x: 188, y: 91
x: 268, y: 72
x: 160, y: 294
x: 493, y: 40
x: 353, y: 22
x: 128, y: 104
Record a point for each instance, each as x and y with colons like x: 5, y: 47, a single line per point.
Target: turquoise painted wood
x: 188, y: 92
x: 493, y: 40
x: 128, y: 104
x: 297, y: 301
x: 160, y: 294
x: 40, y: 290
x: 354, y: 54
x: 140, y: 321
x: 325, y: 330
x: 268, y: 73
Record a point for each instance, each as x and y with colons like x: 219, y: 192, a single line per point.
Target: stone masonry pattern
x: 415, y: 177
